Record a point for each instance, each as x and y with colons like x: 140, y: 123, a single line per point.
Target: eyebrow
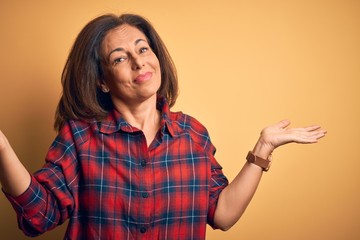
x: 122, y: 49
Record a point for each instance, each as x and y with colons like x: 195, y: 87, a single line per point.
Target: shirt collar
x: 114, y: 122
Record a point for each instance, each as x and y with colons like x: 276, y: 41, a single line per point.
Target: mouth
x: 143, y: 77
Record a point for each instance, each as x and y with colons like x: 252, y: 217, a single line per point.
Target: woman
x: 123, y: 165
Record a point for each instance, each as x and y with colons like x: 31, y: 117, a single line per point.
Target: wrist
x: 263, y: 149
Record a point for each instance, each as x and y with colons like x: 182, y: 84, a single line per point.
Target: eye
x: 118, y: 60
x: 144, y: 49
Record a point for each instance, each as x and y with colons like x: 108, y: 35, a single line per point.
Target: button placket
x: 145, y: 190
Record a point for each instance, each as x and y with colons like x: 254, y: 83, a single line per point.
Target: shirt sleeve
x: 49, y: 200
x: 218, y: 182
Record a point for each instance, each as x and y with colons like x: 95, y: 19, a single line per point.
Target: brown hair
x: 83, y: 72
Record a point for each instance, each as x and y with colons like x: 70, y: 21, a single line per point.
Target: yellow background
x: 243, y: 64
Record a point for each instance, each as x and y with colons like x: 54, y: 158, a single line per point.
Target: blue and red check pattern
x: 104, y: 178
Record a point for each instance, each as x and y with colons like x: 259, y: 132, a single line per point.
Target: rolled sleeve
x: 29, y: 202
x: 29, y: 205
x: 218, y: 183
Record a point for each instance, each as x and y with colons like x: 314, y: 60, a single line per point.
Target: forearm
x: 14, y: 177
x: 235, y: 198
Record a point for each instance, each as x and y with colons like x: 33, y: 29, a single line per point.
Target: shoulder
x: 77, y: 131
x: 186, y: 124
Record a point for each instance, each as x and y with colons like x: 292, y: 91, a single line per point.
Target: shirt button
x: 143, y: 163
x: 143, y: 229
x: 145, y: 195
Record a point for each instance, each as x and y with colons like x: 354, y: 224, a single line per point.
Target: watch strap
x: 261, y: 162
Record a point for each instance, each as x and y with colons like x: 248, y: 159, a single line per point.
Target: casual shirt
x: 104, y: 178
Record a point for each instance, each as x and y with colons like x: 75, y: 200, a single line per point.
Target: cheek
x: 158, y: 75
x: 154, y: 61
x: 116, y: 76
x: 156, y: 66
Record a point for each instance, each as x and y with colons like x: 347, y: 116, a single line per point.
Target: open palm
x: 279, y: 134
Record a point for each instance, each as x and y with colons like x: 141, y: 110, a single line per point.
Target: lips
x: 143, y: 77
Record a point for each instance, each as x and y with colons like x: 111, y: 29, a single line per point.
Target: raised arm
x: 234, y: 199
x: 14, y: 177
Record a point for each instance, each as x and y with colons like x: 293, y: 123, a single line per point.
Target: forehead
x: 122, y: 36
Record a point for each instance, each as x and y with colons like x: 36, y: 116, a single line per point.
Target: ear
x: 104, y: 88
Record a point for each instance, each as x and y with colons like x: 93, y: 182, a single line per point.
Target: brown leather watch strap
x: 263, y: 163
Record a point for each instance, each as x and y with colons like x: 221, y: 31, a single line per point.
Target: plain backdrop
x: 242, y: 64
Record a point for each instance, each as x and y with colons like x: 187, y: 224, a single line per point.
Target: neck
x: 143, y: 116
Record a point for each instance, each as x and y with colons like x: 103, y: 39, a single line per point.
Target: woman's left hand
x: 279, y: 134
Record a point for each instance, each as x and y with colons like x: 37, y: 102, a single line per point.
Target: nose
x: 137, y: 62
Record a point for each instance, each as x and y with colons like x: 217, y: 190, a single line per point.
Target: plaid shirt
x: 104, y: 178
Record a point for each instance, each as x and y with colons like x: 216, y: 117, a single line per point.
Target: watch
x: 263, y: 163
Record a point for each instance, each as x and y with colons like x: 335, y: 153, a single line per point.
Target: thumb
x: 283, y: 123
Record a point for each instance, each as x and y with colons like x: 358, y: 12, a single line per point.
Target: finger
x: 317, y: 134
x: 283, y: 123
x: 310, y: 137
x: 312, y: 128
x: 320, y: 134
x: 306, y: 140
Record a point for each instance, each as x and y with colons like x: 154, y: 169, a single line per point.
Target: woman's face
x: 132, y: 71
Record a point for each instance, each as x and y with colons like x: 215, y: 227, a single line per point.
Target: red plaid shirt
x: 104, y: 178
